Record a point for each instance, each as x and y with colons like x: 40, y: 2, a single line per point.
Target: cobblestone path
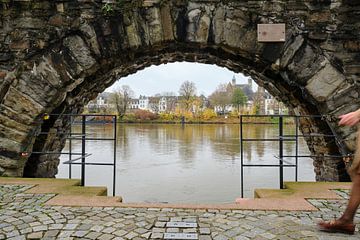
x: 24, y: 216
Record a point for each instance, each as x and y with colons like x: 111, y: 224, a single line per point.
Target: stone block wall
x: 55, y: 56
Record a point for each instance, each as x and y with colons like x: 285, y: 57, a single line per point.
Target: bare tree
x: 221, y: 97
x: 187, y: 94
x: 121, y: 98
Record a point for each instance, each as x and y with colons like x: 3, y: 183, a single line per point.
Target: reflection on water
x: 195, y: 163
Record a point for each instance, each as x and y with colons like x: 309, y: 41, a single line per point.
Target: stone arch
x: 56, y: 56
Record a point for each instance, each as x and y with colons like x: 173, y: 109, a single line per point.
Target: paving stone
x: 120, y: 233
x: 158, y: 230
x: 108, y: 230
x: 106, y: 236
x: 93, y: 235
x: 141, y: 230
x: 35, y: 235
x: 204, y: 230
x: 146, y: 235
x: 190, y: 230
x: 131, y: 235
x: 205, y: 237
x: 26, y: 213
x: 160, y: 224
x: 172, y: 230
x: 79, y: 234
x: 157, y: 235
x: 51, y: 233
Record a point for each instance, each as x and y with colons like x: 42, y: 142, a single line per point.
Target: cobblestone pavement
x: 24, y: 216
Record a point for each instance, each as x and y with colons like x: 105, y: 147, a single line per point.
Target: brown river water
x: 190, y: 164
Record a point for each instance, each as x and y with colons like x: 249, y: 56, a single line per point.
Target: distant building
x: 134, y: 104
x: 101, y: 102
x: 246, y: 88
x: 155, y: 104
x: 144, y: 103
x: 270, y: 105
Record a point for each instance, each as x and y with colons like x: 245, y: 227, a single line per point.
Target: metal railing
x: 280, y: 138
x: 83, y: 136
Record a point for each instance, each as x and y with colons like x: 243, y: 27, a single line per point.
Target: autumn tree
x: 187, y: 94
x: 121, y: 98
x: 221, y: 97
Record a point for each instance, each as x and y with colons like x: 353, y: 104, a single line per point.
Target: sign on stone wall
x: 271, y: 32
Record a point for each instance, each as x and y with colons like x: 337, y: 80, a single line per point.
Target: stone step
x: 304, y: 190
x: 60, y: 187
x: 293, y: 198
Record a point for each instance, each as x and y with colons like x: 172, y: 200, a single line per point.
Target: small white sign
x: 181, y: 225
x: 190, y: 236
x: 271, y: 32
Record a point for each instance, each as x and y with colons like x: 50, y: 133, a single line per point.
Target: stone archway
x: 56, y: 56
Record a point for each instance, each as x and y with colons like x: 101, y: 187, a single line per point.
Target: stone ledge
x: 293, y: 198
x: 60, y: 187
x: 304, y: 190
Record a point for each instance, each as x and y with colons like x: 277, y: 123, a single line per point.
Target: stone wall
x: 55, y: 56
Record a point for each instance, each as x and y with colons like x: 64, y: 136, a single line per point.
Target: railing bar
x: 267, y: 140
x: 80, y: 115
x: 76, y: 134
x: 268, y: 165
x: 73, y: 160
x: 93, y: 139
x: 61, y: 153
x: 286, y: 115
x: 87, y: 163
x: 307, y: 156
x: 310, y: 135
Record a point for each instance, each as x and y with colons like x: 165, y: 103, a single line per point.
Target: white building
x: 102, y: 101
x: 144, y: 103
x: 162, y: 104
x: 134, y: 104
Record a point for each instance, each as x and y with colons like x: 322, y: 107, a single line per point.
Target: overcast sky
x: 169, y: 77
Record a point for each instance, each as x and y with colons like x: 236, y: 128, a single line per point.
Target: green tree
x: 239, y: 99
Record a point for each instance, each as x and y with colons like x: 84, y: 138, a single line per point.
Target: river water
x: 190, y: 164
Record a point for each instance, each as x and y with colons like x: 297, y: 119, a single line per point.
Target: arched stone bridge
x: 57, y: 55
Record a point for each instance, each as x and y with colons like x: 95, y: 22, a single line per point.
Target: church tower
x: 233, y: 81
x: 250, y: 82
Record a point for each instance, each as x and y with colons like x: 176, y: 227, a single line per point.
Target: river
x: 190, y: 164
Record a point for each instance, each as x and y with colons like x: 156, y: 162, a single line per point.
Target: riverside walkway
x: 27, y: 214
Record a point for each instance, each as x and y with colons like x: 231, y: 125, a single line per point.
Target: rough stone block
x: 325, y: 82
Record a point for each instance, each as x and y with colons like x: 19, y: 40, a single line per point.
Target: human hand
x: 350, y: 119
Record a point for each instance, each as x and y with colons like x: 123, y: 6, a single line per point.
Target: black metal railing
x: 83, y: 136
x: 280, y: 138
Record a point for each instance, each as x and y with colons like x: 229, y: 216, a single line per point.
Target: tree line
x: 187, y: 103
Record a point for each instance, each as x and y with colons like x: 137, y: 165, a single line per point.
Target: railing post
x: 296, y: 147
x: 114, y: 170
x: 70, y: 146
x: 281, y: 153
x: 83, y: 152
x: 241, y: 157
